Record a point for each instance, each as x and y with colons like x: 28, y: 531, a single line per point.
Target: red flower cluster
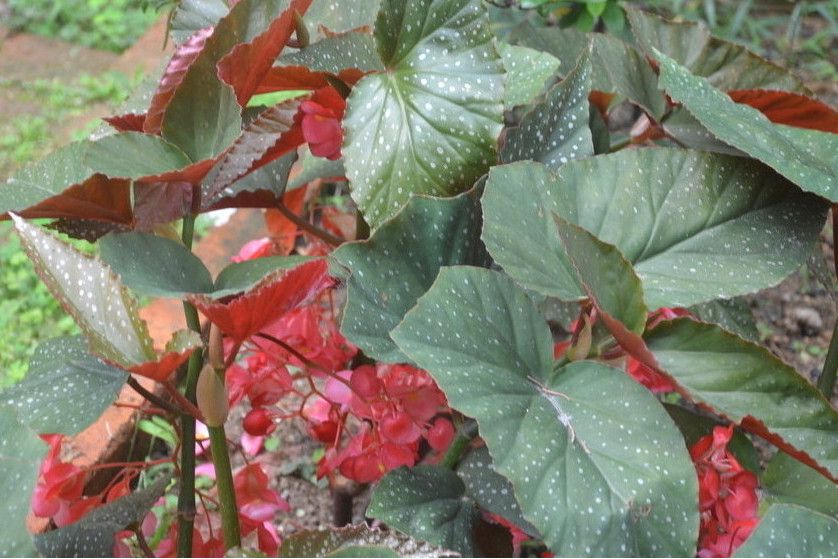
x: 398, y: 406
x: 727, y: 495
x: 321, y: 122
x: 258, y: 504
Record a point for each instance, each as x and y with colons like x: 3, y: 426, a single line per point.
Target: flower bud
x: 212, y: 397
x: 303, y: 38
x: 216, y: 348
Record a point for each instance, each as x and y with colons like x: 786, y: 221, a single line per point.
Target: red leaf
x: 129, y: 122
x: 246, y: 65
x: 291, y: 78
x: 282, y: 230
x: 180, y: 62
x: 97, y: 198
x: 177, y: 351
x: 160, y: 203
x: 193, y: 174
x: 793, y: 109
x: 275, y: 296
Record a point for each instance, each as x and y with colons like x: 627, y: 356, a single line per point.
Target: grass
x: 112, y: 25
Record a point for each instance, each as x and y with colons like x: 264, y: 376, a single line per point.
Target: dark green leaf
x: 490, y: 490
x: 734, y: 315
x: 744, y: 381
x: 241, y: 276
x: 21, y: 452
x: 606, y: 276
x: 684, y: 127
x: 337, y: 16
x: 90, y: 292
x: 556, y: 130
x: 528, y: 72
x: 133, y: 155
x: 66, y: 388
x: 338, y: 53
x: 154, y: 265
x: 191, y: 15
x: 597, y: 465
x: 809, y: 158
x: 786, y: 480
x: 272, y: 178
x: 93, y: 535
x: 324, y: 543
x: 686, y: 248
x: 429, y: 125
x: 428, y: 503
x: 427, y: 234
x: 792, y: 531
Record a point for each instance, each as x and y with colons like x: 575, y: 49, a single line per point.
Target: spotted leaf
x: 808, y: 158
x: 430, y: 123
x: 556, y: 130
x: 90, y: 292
x: 786, y: 480
x: 427, y: 234
x: 528, y: 72
x: 65, y: 389
x: 597, y: 465
x: 747, y: 384
x: 792, y: 531
x: 696, y: 226
x: 428, y: 503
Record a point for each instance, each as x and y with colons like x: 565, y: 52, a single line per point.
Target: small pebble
x: 808, y: 320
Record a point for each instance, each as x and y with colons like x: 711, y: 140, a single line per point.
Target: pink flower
x: 321, y: 122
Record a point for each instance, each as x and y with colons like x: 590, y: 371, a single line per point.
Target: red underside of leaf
x: 289, y: 78
x: 793, y: 109
x: 601, y: 100
x: 193, y: 174
x: 163, y: 368
x: 180, y: 62
x: 275, y: 296
x: 98, y: 198
x: 129, y: 122
x: 160, y: 203
x: 245, y: 66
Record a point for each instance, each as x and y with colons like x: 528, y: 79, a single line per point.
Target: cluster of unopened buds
x: 727, y: 495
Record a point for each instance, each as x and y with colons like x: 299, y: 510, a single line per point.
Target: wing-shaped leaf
x: 60, y: 185
x: 686, y: 248
x: 134, y: 155
x: 276, y: 295
x: 556, y: 130
x: 605, y: 275
x: 428, y: 503
x: 734, y: 315
x: 427, y: 234
x: 528, y: 72
x: 783, y: 107
x: 245, y: 66
x: 490, y: 490
x: 429, y: 125
x: 325, y: 543
x: 66, y: 388
x: 597, y: 465
x: 809, y: 158
x: 792, y: 531
x: 747, y: 384
x: 93, y: 535
x: 261, y: 188
x: 786, y: 480
x: 326, y: 17
x: 90, y: 292
x: 242, y: 276
x: 190, y: 16
x: 348, y: 55
x: 726, y: 65
x: 20, y: 454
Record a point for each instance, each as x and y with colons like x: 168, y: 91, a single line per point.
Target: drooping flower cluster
x: 727, y: 495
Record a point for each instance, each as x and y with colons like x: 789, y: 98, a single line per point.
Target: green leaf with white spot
x: 93, y: 535
x: 428, y: 503
x: 154, y: 265
x: 241, y: 276
x: 410, y: 249
x: 430, y: 123
x: 133, y: 155
x: 744, y: 382
x: 189, y: 16
x: 808, y: 158
x: 734, y: 315
x: 792, y: 531
x: 20, y: 453
x: 92, y: 294
x: 786, y: 480
x: 556, y: 130
x: 66, y: 388
x: 696, y: 226
x: 605, y: 275
x: 528, y: 72
x: 597, y: 465
x: 335, y: 54
x: 338, y: 16
x: 490, y: 490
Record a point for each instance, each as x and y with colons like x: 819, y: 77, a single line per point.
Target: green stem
x: 186, y: 497
x: 226, y: 490
x: 459, y: 445
x: 826, y: 382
